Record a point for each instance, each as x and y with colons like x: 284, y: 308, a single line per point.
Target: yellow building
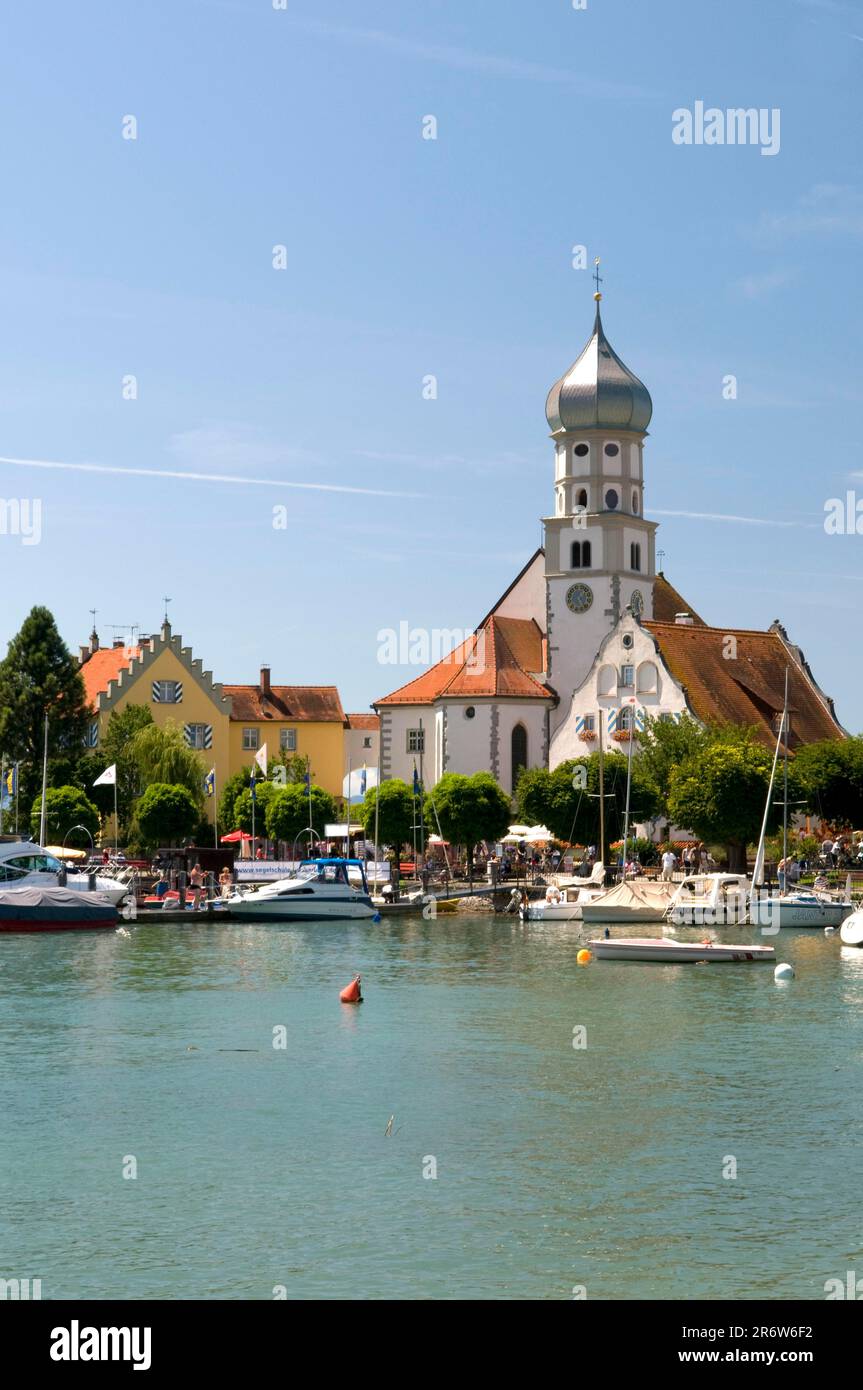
x: 226, y: 725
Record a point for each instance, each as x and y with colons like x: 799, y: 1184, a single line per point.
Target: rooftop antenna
x: 92, y: 612
x: 166, y: 601
x: 660, y: 555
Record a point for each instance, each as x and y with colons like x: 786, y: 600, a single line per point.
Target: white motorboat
x: 851, y: 932
x: 799, y: 908
x: 564, y: 902
x: 53, y: 909
x: 24, y: 864
x: 321, y: 890
x: 664, y: 949
x: 635, y: 900
x: 710, y: 900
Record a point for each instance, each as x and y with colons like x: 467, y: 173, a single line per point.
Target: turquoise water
x: 260, y: 1167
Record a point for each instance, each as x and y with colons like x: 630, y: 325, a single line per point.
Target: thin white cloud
x: 827, y: 208
x: 232, y: 480
x: 490, y: 65
x: 731, y: 520
x: 757, y: 286
x: 235, y: 446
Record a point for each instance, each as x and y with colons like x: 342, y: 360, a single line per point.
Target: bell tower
x: 599, y: 549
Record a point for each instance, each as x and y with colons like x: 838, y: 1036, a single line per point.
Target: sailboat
x: 801, y: 907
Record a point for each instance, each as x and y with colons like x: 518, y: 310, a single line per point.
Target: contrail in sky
x: 233, y: 479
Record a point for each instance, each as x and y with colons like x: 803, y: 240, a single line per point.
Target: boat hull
x: 301, y: 910
x: 33, y: 909
x: 679, y: 952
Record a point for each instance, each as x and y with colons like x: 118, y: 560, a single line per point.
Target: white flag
x: 108, y: 777
x: 261, y: 758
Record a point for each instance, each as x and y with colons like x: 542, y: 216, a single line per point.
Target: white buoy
x: 828, y: 931
x: 784, y: 972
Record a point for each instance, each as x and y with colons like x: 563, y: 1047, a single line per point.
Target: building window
x: 648, y: 678
x: 625, y: 720
x: 518, y: 745
x: 635, y: 556
x: 590, y: 723
x: 581, y: 450
x: 582, y: 498
x: 580, y: 559
x: 196, y: 735
x: 288, y: 740
x: 167, y: 692
x: 611, y: 499
x: 611, y: 451
x: 627, y: 675
x: 367, y: 742
x: 250, y: 740
x: 635, y: 503
x: 416, y: 741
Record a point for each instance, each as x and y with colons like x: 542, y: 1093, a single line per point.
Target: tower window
x: 611, y: 499
x: 580, y: 558
x: 582, y: 497
x: 635, y: 556
x: 581, y: 450
x: 635, y: 503
x: 518, y: 748
x: 611, y: 451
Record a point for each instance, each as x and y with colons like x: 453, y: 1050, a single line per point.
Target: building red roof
x: 494, y: 661
x: 104, y: 666
x: 313, y: 704
x: 736, y: 676
x: 363, y: 721
x: 667, y: 603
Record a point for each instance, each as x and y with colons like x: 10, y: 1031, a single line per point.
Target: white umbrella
x: 519, y: 832
x: 538, y: 834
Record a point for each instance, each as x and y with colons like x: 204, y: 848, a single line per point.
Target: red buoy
x: 352, y: 993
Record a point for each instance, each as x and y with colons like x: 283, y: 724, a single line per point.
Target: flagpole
x: 2, y: 789
x: 377, y: 808
x: 309, y: 785
x: 422, y: 793
x: 17, y: 776
x: 252, y: 788
x: 116, y: 820
x: 348, y: 811
x: 215, y: 814
x: 44, y: 785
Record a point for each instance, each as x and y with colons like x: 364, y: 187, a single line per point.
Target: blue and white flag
x: 210, y: 783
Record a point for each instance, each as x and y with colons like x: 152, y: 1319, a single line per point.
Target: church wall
x: 527, y: 598
x: 396, y: 761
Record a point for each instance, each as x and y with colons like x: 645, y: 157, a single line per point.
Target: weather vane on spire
x: 93, y: 611
x: 598, y: 280
x: 166, y: 601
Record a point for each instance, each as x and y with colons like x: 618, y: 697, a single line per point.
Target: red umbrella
x: 235, y: 837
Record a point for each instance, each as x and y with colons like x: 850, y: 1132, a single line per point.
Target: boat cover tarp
x: 633, y: 894
x: 60, y: 903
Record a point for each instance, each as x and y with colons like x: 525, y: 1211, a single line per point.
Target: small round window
x: 581, y: 450
x: 611, y: 499
x: 627, y: 640
x: 469, y: 712
x: 611, y: 451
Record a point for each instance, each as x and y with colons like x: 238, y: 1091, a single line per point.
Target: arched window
x: 648, y: 678
x: 585, y: 555
x: 582, y: 497
x: 607, y: 682
x: 580, y: 557
x: 635, y: 556
x: 518, y: 745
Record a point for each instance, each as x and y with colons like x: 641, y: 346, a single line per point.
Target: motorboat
x: 564, y: 902
x: 710, y: 900
x: 634, y: 900
x: 851, y: 931
x: 320, y: 890
x: 24, y: 864
x: 53, y: 909
x: 798, y: 908
x: 669, y: 951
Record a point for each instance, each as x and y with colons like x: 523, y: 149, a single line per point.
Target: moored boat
x: 53, y: 909
x: 635, y: 900
x: 320, y: 890
x: 564, y: 902
x: 851, y: 931
x: 24, y: 864
x: 664, y: 949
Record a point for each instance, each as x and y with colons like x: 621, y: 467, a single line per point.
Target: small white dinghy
x: 663, y: 948
x: 851, y: 931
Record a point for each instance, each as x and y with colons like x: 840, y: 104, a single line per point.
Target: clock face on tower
x: 636, y: 603
x: 579, y: 598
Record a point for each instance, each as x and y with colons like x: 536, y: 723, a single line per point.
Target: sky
x: 164, y: 386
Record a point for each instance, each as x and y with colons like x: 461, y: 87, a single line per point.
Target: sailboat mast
x: 785, y: 802
x: 628, y: 786
x: 601, y: 792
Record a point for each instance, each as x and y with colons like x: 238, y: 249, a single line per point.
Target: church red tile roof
x: 363, y: 721
x: 104, y: 666
x: 494, y: 661
x: 747, y: 687
x: 314, y: 704
x: 667, y: 603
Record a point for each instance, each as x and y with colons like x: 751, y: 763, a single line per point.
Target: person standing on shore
x: 669, y: 864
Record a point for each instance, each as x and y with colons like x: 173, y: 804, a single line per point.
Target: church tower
x: 599, y: 549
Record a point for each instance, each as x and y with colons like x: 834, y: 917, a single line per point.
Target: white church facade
x: 589, y: 640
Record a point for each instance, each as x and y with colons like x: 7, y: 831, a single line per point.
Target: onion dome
x: 598, y: 391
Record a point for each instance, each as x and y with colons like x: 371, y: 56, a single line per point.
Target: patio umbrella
x: 61, y: 852
x: 520, y: 832
x: 235, y: 837
x: 539, y: 835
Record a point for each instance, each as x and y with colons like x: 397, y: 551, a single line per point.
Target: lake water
x: 260, y: 1167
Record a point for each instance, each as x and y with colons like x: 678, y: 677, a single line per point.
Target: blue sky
x: 408, y: 257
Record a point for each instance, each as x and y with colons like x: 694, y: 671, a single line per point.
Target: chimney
x: 684, y: 620
x: 119, y: 642
x: 83, y: 655
x: 94, y: 642
x: 265, y: 681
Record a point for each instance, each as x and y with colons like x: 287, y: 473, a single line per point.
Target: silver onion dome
x: 598, y: 391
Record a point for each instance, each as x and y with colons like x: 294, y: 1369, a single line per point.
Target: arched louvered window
x: 519, y: 752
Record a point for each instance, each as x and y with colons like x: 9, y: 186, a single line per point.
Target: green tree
x: 396, y: 816
x: 830, y: 775
x: 39, y: 676
x: 663, y: 746
x: 163, y: 758
x: 65, y: 807
x: 468, y: 809
x: 567, y: 799
x: 720, y: 793
x: 166, y: 814
x: 264, y: 793
x: 288, y: 811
